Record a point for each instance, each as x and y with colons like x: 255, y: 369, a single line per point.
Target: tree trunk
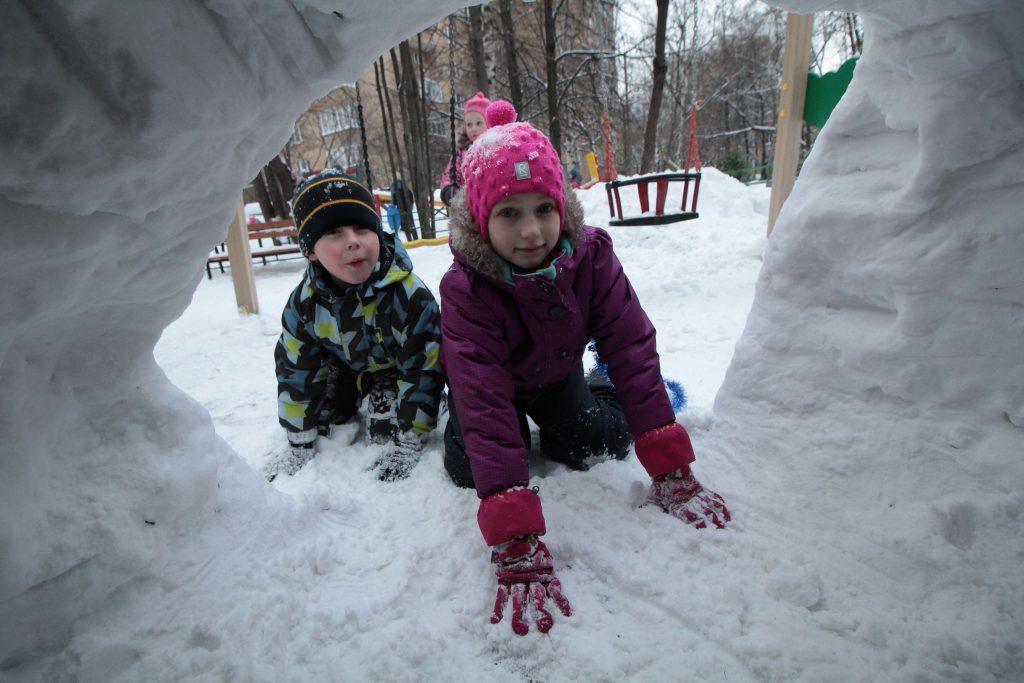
x: 404, y: 85
x: 476, y: 48
x: 426, y: 180
x: 422, y: 183
x: 262, y: 196
x: 492, y: 41
x: 514, y: 86
x: 551, y: 68
x: 384, y: 117
x: 657, y: 88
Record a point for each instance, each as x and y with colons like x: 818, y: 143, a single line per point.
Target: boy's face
x: 524, y: 228
x: 349, y: 253
x: 475, y: 124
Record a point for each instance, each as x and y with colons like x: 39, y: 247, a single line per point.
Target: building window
x: 303, y: 166
x: 440, y: 127
x: 296, y: 135
x: 432, y: 90
x: 338, y: 119
x: 342, y: 157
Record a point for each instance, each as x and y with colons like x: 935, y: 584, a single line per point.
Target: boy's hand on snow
x: 400, y: 457
x: 525, y: 572
x: 289, y: 461
x: 681, y: 495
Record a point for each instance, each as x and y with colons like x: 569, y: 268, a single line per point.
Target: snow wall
x: 889, y: 307
x: 879, y: 382
x: 127, y: 132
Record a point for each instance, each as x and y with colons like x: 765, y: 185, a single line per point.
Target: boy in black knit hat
x: 359, y: 326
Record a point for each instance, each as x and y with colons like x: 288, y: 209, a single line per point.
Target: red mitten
x: 524, y: 571
x: 664, y: 449
x: 681, y: 495
x: 508, y: 514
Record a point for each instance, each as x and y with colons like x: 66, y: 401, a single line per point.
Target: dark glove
x: 681, y: 495
x: 400, y: 457
x: 294, y: 458
x: 447, y: 192
x: 524, y: 570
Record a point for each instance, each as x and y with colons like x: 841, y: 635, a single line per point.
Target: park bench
x: 271, y: 230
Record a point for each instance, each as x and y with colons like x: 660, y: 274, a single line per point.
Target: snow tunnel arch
x: 126, y: 136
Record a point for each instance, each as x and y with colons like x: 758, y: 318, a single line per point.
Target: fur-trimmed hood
x: 469, y: 246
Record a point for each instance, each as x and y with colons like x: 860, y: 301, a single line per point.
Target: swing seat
x: 661, y: 182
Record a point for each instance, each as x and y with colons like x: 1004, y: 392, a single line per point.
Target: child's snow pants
x: 580, y: 421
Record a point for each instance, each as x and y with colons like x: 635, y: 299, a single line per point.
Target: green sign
x: 824, y: 92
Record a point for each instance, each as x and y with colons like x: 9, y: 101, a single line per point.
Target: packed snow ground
x: 867, y: 434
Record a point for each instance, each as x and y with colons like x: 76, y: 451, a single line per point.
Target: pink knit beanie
x: 477, y: 103
x: 510, y: 158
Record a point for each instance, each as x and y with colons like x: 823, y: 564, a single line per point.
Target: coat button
x: 562, y: 353
x: 557, y: 312
x: 546, y: 288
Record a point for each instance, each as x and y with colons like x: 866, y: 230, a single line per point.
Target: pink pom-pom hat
x: 510, y: 158
x: 477, y: 103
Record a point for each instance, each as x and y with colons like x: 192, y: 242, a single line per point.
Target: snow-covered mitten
x: 525, y: 572
x: 681, y: 495
x: 511, y: 520
x: 666, y: 454
x: 400, y: 457
x: 380, y: 407
x: 300, y: 451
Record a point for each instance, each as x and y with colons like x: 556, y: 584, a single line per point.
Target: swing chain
x: 362, y: 133
x: 453, y: 171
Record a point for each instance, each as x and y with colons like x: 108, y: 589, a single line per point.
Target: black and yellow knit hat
x: 328, y: 200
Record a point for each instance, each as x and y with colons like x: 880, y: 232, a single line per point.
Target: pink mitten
x: 524, y: 570
x: 681, y: 495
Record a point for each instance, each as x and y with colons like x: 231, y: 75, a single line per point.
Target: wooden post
x: 240, y: 258
x: 795, y: 60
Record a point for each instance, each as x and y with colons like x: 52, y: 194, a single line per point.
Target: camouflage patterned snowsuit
x: 390, y: 322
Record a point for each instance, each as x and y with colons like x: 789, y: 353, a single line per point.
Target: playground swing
x: 661, y: 182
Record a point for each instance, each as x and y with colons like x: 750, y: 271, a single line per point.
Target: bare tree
x: 476, y: 48
x: 511, y: 67
x: 660, y: 68
x: 551, y: 71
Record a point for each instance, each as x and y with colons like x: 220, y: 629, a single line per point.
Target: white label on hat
x: 522, y: 170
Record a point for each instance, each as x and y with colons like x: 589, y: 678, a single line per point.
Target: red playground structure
x: 661, y: 182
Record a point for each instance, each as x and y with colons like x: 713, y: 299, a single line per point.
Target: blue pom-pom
x: 676, y: 393
x: 675, y: 390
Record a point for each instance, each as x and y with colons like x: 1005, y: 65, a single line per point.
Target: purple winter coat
x: 503, y: 341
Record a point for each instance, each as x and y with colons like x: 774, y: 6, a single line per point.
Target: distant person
x: 473, y: 125
x: 574, y: 174
x: 359, y: 326
x: 531, y: 284
x: 402, y: 199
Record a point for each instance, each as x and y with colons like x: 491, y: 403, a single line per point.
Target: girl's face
x: 475, y: 124
x: 524, y: 229
x: 349, y: 253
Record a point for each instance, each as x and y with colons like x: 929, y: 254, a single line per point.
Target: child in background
x: 475, y: 124
x: 359, y: 325
x: 531, y: 284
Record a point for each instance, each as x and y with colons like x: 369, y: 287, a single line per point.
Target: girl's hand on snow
x: 681, y: 495
x: 525, y: 572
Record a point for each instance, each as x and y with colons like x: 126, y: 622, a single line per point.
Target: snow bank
x: 892, y: 285
x: 127, y: 133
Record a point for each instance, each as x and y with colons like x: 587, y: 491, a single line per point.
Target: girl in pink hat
x: 530, y: 286
x: 473, y: 125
